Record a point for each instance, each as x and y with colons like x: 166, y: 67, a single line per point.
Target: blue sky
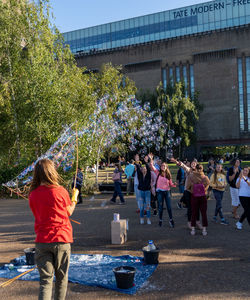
x: 75, y: 14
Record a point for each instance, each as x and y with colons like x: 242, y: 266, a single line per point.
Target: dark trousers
x: 130, y: 184
x: 245, y: 202
x: 187, y: 201
x: 218, y: 195
x: 153, y: 201
x: 117, y: 192
x: 199, y: 204
x: 161, y: 196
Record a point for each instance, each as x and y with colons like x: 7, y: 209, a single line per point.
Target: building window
x: 177, y: 73
x: 164, y: 78
x: 241, y: 94
x: 248, y: 89
x: 191, y: 80
x: 171, y: 76
x: 185, y: 79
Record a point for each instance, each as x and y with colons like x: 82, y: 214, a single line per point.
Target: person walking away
x: 243, y: 184
x: 78, y: 184
x: 163, y: 184
x: 144, y: 178
x: 129, y: 171
x: 51, y: 206
x: 218, y: 184
x: 117, y: 178
x: 180, y: 179
x: 232, y: 176
x: 198, y: 183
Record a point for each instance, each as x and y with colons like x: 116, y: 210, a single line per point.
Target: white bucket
x: 116, y: 217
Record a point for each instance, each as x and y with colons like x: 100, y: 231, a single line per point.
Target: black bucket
x: 30, y: 255
x: 124, y: 276
x: 151, y: 257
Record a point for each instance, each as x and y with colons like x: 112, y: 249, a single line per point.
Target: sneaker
x: 148, y: 222
x: 155, y: 213
x: 122, y: 203
x: 224, y: 222
x: 160, y: 223
x: 112, y: 201
x: 192, y: 232
x: 204, y: 232
x: 238, y: 225
x: 215, y: 219
x: 189, y: 225
x: 141, y: 221
x: 171, y: 223
x: 179, y: 205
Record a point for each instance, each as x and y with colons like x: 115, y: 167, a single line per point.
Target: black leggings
x: 245, y: 202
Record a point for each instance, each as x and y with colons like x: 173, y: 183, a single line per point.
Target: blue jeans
x: 161, y: 196
x: 137, y: 195
x: 117, y: 192
x: 218, y: 195
x: 145, y: 198
x: 181, y: 188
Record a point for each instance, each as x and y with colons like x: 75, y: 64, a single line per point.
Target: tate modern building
x: 207, y: 46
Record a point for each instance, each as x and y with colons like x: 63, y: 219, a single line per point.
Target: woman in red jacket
x: 51, y: 206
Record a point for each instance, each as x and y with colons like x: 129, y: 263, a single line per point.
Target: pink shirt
x: 163, y: 183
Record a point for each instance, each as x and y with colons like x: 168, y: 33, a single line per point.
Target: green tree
x: 179, y: 111
x: 109, y: 84
x: 41, y: 88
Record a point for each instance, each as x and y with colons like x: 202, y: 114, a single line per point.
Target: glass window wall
x: 248, y: 89
x: 188, y: 20
x: 177, y: 74
x: 191, y: 71
x: 164, y: 78
x: 241, y: 94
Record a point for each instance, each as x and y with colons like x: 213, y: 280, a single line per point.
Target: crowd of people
x: 152, y: 182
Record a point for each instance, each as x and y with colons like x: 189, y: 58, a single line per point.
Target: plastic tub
x: 151, y: 257
x: 30, y: 255
x: 124, y: 276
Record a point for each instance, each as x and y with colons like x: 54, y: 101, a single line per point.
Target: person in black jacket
x: 77, y: 183
x: 144, y: 178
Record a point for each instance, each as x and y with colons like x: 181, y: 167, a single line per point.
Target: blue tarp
x: 93, y: 270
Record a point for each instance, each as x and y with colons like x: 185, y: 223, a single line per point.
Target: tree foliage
x: 179, y: 111
x: 41, y: 88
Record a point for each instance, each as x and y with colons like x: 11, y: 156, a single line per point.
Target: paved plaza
x: 191, y: 267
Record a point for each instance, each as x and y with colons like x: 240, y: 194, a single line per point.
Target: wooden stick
x: 13, y: 191
x: 75, y: 221
x: 76, y: 157
x: 6, y: 283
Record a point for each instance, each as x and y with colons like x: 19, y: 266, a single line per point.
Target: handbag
x: 116, y: 176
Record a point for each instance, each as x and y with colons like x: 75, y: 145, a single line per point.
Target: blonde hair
x: 45, y: 173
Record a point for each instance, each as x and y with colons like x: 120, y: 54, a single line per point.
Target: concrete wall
x: 214, y: 56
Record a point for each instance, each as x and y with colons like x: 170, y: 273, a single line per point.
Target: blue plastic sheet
x: 93, y: 270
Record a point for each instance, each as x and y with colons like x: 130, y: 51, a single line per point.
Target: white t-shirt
x: 244, y: 190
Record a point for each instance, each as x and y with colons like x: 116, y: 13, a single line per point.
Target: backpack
x: 199, y: 190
